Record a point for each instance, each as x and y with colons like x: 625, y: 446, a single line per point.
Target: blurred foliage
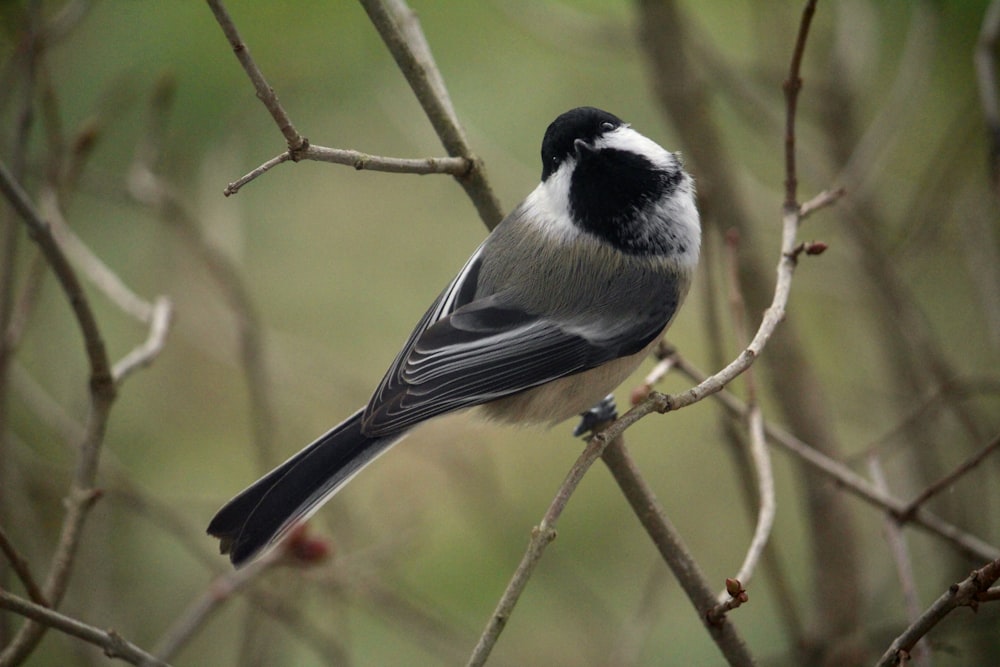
x: 339, y: 264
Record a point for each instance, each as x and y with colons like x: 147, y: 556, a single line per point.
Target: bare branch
x: 970, y: 545
x: 675, y: 553
x: 82, y: 493
x: 900, y: 553
x: 265, y: 93
x: 22, y: 569
x: 456, y: 166
x: 759, y: 455
x: 792, y: 86
x: 147, y: 351
x: 821, y: 201
x: 541, y: 536
x: 969, y: 464
x: 965, y: 593
x: 114, y: 645
x: 398, y: 28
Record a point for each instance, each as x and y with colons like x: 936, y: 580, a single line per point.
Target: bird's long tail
x: 264, y: 512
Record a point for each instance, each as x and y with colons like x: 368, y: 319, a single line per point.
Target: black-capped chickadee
x: 559, y: 305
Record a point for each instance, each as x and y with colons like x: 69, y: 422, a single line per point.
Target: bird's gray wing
x: 468, y: 351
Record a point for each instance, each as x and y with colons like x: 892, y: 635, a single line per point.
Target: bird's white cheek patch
x: 547, y: 207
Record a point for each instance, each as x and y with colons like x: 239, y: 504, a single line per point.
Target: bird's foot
x: 605, y: 411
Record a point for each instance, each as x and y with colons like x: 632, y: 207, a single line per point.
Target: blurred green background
x: 339, y: 264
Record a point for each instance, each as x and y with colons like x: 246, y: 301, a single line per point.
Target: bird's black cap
x: 583, y: 123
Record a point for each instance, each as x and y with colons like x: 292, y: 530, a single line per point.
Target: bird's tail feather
x: 265, y: 511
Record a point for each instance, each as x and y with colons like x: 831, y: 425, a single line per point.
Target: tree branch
x: 969, y: 545
x: 671, y: 546
x: 82, y: 494
x: 965, y: 593
x: 114, y: 645
x: 401, y: 33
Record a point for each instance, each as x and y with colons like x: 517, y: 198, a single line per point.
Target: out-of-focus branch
x: 933, y: 489
x: 156, y: 315
x: 146, y: 186
x: 760, y: 457
x: 668, y: 541
x: 900, y: 553
x: 113, y: 644
x: 82, y: 493
x: 22, y: 569
x: 986, y: 79
x: 965, y: 593
x: 222, y: 589
x: 969, y: 545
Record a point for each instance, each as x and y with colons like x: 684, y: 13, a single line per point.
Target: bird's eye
x: 607, y: 127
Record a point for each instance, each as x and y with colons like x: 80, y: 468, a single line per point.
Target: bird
x: 558, y: 306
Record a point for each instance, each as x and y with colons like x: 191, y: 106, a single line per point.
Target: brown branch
x: 113, y: 644
x: 969, y: 464
x: 965, y: 593
x: 401, y: 33
x: 22, y: 569
x: 265, y: 93
x: 671, y: 546
x: 792, y: 86
x: 456, y: 166
x: 969, y: 545
x: 900, y: 553
x: 82, y: 494
x: 541, y: 536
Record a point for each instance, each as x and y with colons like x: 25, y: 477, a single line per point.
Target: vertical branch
x: 792, y: 86
x: 82, y: 493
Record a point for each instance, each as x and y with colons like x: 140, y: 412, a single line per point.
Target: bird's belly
x: 566, y: 397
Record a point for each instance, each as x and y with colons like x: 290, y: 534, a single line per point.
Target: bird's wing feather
x: 487, y: 349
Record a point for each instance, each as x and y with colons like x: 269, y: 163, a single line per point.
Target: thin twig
x: 970, y: 545
x: 541, y: 536
x: 265, y: 93
x: 821, y: 201
x: 900, y: 553
x: 456, y: 166
x: 22, y: 569
x: 113, y: 644
x: 965, y: 593
x: 146, y: 352
x: 759, y: 455
x: 219, y: 591
x: 671, y: 546
x: 82, y: 494
x: 937, y: 487
x: 792, y: 86
x: 399, y: 29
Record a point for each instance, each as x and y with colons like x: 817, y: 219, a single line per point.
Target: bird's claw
x: 605, y: 411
